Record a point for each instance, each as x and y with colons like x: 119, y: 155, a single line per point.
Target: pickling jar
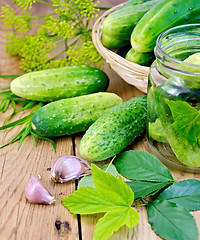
x: 173, y: 98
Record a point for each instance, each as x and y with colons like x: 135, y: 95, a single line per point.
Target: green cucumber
x: 119, y: 24
x: 144, y: 59
x: 111, y: 42
x: 162, y: 16
x: 132, y: 3
x: 72, y: 115
x: 54, y: 84
x: 115, y: 130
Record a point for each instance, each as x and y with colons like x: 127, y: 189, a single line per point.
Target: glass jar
x: 173, y: 99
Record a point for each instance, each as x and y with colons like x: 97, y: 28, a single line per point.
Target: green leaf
x: 109, y: 194
x: 7, y: 94
x: 142, y: 166
x: 5, y: 86
x: 112, y: 189
x: 185, y: 152
x: 34, y: 141
x: 186, y: 120
x: 143, y: 189
x: 10, y: 76
x: 16, y: 123
x: 25, y: 134
x: 26, y: 130
x: 172, y: 222
x: 185, y: 193
x: 113, y: 220
x: 6, y: 105
x: 43, y: 138
x: 86, y: 200
x: 88, y: 180
x: 16, y: 138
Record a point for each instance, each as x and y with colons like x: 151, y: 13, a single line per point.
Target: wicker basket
x: 130, y: 72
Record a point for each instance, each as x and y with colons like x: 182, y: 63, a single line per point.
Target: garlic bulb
x: 68, y: 168
x: 36, y: 193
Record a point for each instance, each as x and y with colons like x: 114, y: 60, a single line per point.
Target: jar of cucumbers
x: 173, y: 105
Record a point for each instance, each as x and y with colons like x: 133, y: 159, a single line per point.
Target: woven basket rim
x: 109, y: 55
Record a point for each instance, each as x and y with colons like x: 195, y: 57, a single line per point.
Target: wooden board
x: 21, y: 220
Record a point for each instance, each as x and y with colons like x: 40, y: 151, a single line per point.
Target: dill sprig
x: 66, y: 28
x: 6, y: 98
x: 62, y: 38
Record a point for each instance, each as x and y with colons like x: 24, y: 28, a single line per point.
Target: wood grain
x: 21, y: 220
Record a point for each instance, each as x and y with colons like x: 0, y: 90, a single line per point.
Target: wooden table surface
x: 21, y: 220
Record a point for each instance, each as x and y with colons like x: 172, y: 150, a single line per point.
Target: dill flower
x: 60, y: 28
x: 14, y: 44
x: 35, y: 52
x: 25, y: 3
x: 20, y: 23
x: 63, y: 37
x: 57, y: 63
x: 86, y: 7
x: 85, y: 54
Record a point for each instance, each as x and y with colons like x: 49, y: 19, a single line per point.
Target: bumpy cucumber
x: 119, y: 24
x: 115, y: 130
x: 72, y: 115
x: 54, y: 84
x: 162, y: 16
x: 144, y: 59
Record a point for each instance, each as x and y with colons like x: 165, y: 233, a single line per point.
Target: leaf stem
x: 45, y: 3
x: 10, y: 76
x: 64, y: 50
x: 43, y: 138
x: 110, y: 163
x: 140, y: 205
x: 146, y: 200
x: 102, y: 8
x: 5, y: 86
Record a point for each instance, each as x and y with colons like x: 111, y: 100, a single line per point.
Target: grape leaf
x: 113, y: 220
x: 142, y: 189
x: 185, y: 193
x: 186, y: 120
x: 142, y: 166
x: 112, y: 189
x: 109, y: 194
x: 86, y: 200
x: 171, y: 221
x: 88, y: 180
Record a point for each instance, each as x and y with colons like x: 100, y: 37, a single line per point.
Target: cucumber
x: 132, y: 3
x: 162, y: 16
x: 54, y: 84
x: 144, y: 59
x: 72, y: 115
x: 111, y: 42
x: 115, y: 130
x: 119, y: 24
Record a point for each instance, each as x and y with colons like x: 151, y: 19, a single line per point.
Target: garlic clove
x: 36, y: 192
x: 68, y: 167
